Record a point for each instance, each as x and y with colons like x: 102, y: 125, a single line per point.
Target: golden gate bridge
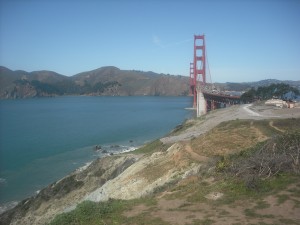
x: 206, y: 97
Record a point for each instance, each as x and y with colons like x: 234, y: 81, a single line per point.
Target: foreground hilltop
x: 238, y: 165
x: 103, y: 81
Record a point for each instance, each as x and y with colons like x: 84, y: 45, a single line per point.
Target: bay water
x: 44, y: 139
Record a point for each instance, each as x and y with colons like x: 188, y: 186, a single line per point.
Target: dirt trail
x: 195, y: 155
x: 276, y: 128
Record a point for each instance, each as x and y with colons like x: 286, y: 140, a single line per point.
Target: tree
x: 249, y: 96
x: 281, y: 90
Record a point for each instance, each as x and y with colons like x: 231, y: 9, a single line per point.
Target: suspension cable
x: 208, y: 68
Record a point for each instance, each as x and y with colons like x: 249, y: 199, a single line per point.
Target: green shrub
x: 89, y: 212
x: 278, y: 155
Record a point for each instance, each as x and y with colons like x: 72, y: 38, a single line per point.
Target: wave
x: 107, y: 151
x: 113, y: 149
x: 121, y: 149
x: 7, y: 206
x: 82, y: 168
x: 128, y: 149
x: 2, y: 181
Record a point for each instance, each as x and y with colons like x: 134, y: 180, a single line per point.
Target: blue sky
x: 246, y: 40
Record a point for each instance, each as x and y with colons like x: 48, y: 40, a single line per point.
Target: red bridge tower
x: 198, y: 67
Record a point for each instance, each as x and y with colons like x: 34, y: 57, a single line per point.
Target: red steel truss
x: 192, y: 86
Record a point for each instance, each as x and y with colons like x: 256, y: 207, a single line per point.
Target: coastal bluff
x: 185, y: 157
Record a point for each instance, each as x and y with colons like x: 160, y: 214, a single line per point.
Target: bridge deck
x: 220, y: 95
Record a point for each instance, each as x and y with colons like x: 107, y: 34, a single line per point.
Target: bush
x: 278, y: 155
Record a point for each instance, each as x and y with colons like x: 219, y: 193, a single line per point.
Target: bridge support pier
x: 201, y: 103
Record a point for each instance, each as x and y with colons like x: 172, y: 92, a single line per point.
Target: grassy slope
x: 186, y: 202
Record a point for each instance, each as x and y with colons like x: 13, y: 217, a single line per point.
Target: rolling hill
x: 103, y: 81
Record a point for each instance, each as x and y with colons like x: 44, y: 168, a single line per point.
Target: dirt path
x: 276, y: 128
x: 195, y: 155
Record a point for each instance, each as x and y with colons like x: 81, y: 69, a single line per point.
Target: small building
x: 281, y: 103
x: 276, y: 102
x: 291, y: 104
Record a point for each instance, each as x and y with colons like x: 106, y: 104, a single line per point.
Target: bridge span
x: 211, y: 100
x: 219, y: 100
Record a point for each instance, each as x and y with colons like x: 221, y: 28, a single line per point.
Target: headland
x: 194, y: 175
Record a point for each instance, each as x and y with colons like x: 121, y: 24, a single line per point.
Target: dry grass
x: 228, y: 137
x: 186, y: 204
x: 233, y: 136
x: 185, y: 201
x: 287, y: 124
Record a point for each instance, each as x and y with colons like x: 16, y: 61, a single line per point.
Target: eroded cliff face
x: 147, y: 174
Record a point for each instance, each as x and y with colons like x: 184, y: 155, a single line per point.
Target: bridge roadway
x: 215, y: 100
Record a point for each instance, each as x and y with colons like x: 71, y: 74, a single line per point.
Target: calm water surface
x: 44, y: 139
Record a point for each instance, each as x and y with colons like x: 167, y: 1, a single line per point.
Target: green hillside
x: 107, y: 81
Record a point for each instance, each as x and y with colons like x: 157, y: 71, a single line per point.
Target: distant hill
x: 132, y: 82
x: 106, y: 81
x: 103, y: 81
x: 248, y: 85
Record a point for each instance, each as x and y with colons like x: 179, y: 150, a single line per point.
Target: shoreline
x: 125, y: 149
x: 11, y: 204
x: 14, y: 189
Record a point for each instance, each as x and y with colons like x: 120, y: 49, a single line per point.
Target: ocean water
x: 44, y: 139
